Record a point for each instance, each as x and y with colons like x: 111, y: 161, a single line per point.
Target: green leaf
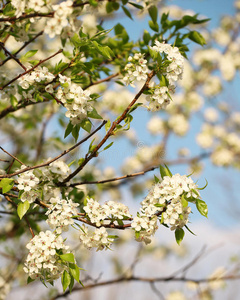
x: 109, y: 7
x: 107, y: 125
x: 22, y: 208
x: 127, y: 12
x: 29, y: 280
x: 74, y: 271
x: 146, y: 37
x: 184, y: 201
x: 68, y: 129
x: 29, y: 54
x: 118, y: 29
x: 75, y: 131
x: 137, y: 234
x: 108, y: 146
x: 136, y: 5
x: 156, y: 179
x: 13, y: 100
x: 71, y: 284
x: 165, y: 171
x: 153, y: 13
x: 153, y: 26
x: 94, y: 114
x: 86, y: 125
x: 202, y: 207
x: 6, y: 184
x: 197, y: 38
x: 190, y: 230
x: 66, y: 280
x: 179, y: 235
x: 68, y: 257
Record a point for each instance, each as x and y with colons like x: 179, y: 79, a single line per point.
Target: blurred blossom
x: 211, y: 114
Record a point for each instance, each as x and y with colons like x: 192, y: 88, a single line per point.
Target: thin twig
x: 14, y: 157
x: 12, y: 56
x: 21, y: 48
x: 30, y: 70
x: 146, y: 279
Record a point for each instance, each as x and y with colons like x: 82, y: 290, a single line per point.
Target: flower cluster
x: 57, y: 170
x: 175, y: 61
x: 75, y: 99
x: 60, y: 214
x: 22, y: 5
x: 111, y: 211
x: 27, y: 181
x: 160, y: 97
x: 38, y: 75
x: 136, y: 69
x: 43, y: 259
x: 145, y: 227
x: 166, y: 197
x: 55, y: 25
x: 98, y: 239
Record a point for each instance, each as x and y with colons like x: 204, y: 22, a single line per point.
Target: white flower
x: 98, y: 239
x: 60, y: 214
x: 42, y: 260
x: 27, y: 181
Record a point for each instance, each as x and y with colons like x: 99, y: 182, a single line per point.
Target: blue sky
x: 216, y: 194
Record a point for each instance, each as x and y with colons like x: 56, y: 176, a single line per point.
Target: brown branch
x: 148, y: 280
x: 57, y: 157
x: 21, y: 48
x: 111, y: 130
x: 15, y: 158
x: 113, y: 179
x: 30, y: 70
x: 12, y: 56
x: 103, y: 80
x: 20, y: 105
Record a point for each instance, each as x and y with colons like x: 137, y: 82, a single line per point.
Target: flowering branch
x: 57, y: 157
x: 31, y: 69
x: 110, y: 131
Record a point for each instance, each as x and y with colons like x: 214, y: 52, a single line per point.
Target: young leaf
x: 29, y: 54
x: 75, y: 131
x: 153, y: 13
x: 190, y: 230
x: 196, y: 37
x: 146, y: 37
x: 179, y: 235
x: 68, y: 129
x: 165, y: 171
x: 22, y: 208
x: 184, y: 201
x: 153, y: 26
x: 94, y: 114
x: 66, y: 280
x: 68, y: 257
x: 86, y: 125
x: 108, y: 125
x: 127, y: 12
x: 156, y: 179
x: 6, y: 184
x: 108, y: 146
x: 74, y: 271
x: 202, y: 207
